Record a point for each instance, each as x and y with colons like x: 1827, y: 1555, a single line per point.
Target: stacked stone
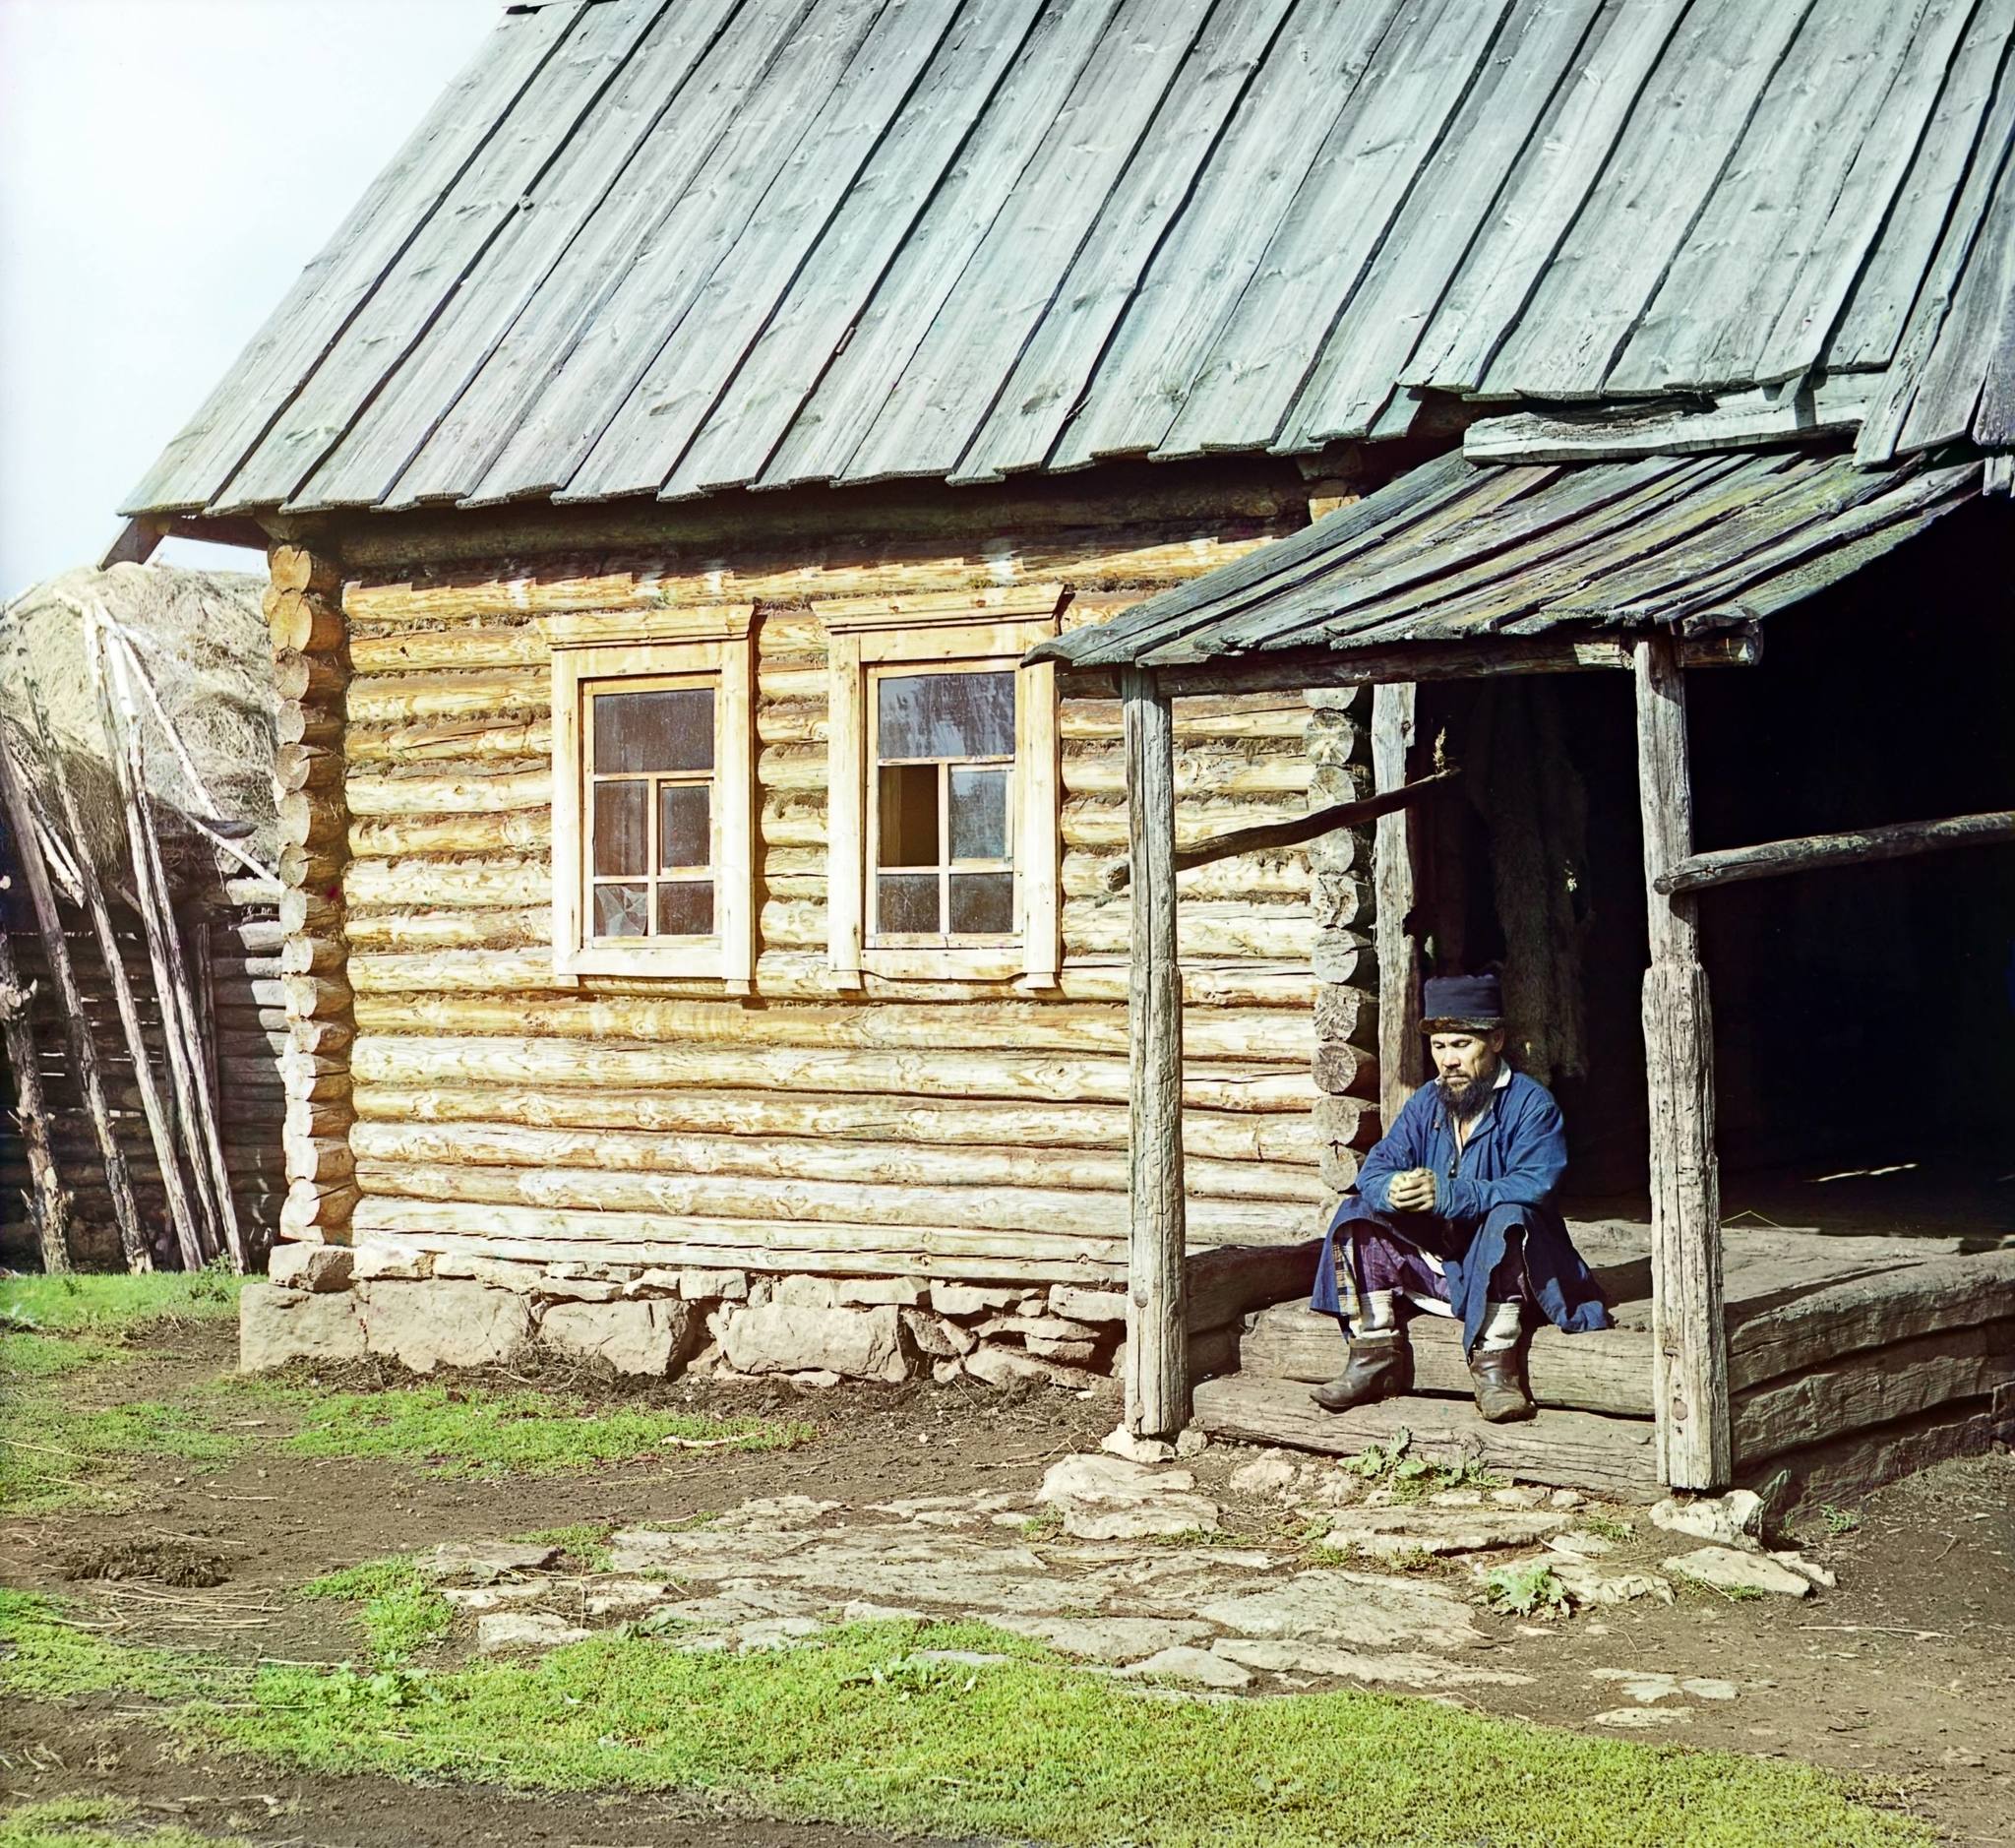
x: 428, y: 1309
x: 311, y: 674
x: 1346, y: 1070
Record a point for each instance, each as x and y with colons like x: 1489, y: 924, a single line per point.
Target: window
x: 943, y: 789
x: 652, y: 797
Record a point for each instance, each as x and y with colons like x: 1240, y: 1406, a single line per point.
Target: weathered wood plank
x: 1689, y: 1341
x: 1611, y: 1456
x: 1729, y: 865
x: 1607, y: 1372
x: 1157, y: 1367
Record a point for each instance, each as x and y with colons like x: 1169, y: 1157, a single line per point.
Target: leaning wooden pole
x: 310, y: 676
x: 47, y: 1205
x: 181, y: 1211
x: 134, y: 1244
x: 1157, y: 1374
x: 1398, y: 950
x: 1689, y: 1341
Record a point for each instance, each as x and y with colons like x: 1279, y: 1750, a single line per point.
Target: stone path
x: 1119, y: 1563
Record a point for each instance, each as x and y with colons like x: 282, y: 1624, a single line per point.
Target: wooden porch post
x: 1689, y: 1344
x: 1157, y: 1374
x: 1392, y: 881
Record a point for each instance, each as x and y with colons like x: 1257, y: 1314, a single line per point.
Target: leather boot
x: 1378, y: 1370
x: 1498, y: 1375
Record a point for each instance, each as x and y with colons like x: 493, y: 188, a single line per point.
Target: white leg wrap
x: 1377, y: 1317
x: 1502, y: 1325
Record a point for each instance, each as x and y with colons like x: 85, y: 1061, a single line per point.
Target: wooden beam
x: 1395, y: 943
x: 134, y: 1244
x: 1295, y: 669
x: 1157, y: 1371
x: 1730, y: 866
x: 1689, y: 1341
x: 1292, y: 834
x: 48, y: 1206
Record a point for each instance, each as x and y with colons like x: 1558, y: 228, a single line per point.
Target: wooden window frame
x: 639, y: 651
x: 969, y: 631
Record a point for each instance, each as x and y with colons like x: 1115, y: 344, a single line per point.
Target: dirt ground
x: 1904, y: 1677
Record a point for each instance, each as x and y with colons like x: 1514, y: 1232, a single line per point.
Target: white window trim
x: 967, y: 626
x: 713, y: 641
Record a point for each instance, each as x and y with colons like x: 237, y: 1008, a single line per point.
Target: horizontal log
x: 1822, y: 1325
x: 514, y: 832
x: 311, y: 955
x: 302, y: 869
x: 1844, y: 1470
x: 727, y: 1243
x: 1563, y: 1448
x: 1276, y: 933
x: 309, y: 913
x: 445, y: 795
x: 294, y: 723
x: 1309, y: 826
x: 317, y: 996
x: 312, y: 819
x: 298, y: 767
x: 1807, y: 853
x: 1304, y: 668
x: 1091, y: 823
x: 318, y: 1158
x: 249, y: 935
x: 460, y: 929
x: 1874, y: 1386
x: 1065, y: 1213
x: 466, y: 646
x: 814, y: 1158
x: 518, y: 881
x: 1264, y: 1035
x: 745, y: 1247
x: 1230, y: 1137
x: 1029, y: 1076
x: 389, y: 700
x: 470, y: 740
x: 1607, y: 1371
x: 299, y: 568
x: 303, y: 620
x: 309, y: 680
x: 323, y: 1038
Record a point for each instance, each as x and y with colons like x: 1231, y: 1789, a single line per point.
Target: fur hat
x: 1453, y: 1004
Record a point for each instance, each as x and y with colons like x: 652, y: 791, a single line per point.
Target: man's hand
x: 1413, y: 1191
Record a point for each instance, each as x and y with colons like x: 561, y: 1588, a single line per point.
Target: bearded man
x: 1453, y: 1215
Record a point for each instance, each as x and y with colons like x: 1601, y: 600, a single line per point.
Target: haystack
x: 200, y: 638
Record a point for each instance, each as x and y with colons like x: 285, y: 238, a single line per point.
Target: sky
x: 166, y: 169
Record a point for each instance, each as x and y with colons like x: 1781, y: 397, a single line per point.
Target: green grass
x: 75, y: 1822
x: 56, y: 1455
x: 858, y: 1729
x: 116, y: 1305
x: 460, y: 1432
x: 403, y: 1612
x: 585, y: 1542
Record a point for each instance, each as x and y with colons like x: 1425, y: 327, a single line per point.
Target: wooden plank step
x: 1609, y: 1370
x: 1609, y: 1456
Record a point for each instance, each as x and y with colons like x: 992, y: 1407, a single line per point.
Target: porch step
x: 1608, y: 1371
x: 1565, y: 1449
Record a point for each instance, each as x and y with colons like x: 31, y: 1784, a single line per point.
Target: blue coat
x: 1504, y: 1180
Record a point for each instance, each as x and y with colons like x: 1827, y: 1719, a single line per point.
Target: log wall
x: 246, y: 1019
x: 969, y: 1128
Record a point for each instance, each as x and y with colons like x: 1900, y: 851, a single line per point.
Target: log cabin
x: 830, y: 564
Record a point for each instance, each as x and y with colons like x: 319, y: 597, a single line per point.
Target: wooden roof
x: 662, y: 247
x: 1456, y: 552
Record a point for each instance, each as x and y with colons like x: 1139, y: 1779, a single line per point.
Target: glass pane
x: 983, y: 904
x: 684, y: 833
x: 947, y: 716
x: 621, y: 841
x: 622, y: 910
x: 979, y: 813
x: 909, y: 795
x: 907, y: 904
x: 685, y: 908
x: 669, y: 730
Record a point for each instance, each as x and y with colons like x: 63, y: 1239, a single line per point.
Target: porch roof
x: 1455, y: 553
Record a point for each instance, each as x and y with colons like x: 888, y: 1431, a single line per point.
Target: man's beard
x: 1464, y: 1098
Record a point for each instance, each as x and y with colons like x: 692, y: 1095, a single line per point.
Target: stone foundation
x: 428, y: 1309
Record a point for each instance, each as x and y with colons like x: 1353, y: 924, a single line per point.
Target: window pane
x: 982, y: 903
x: 621, y: 828
x: 979, y: 813
x: 669, y: 730
x: 947, y: 716
x: 684, y: 833
x: 907, y: 904
x: 685, y: 908
x: 908, y: 814
x: 622, y: 910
